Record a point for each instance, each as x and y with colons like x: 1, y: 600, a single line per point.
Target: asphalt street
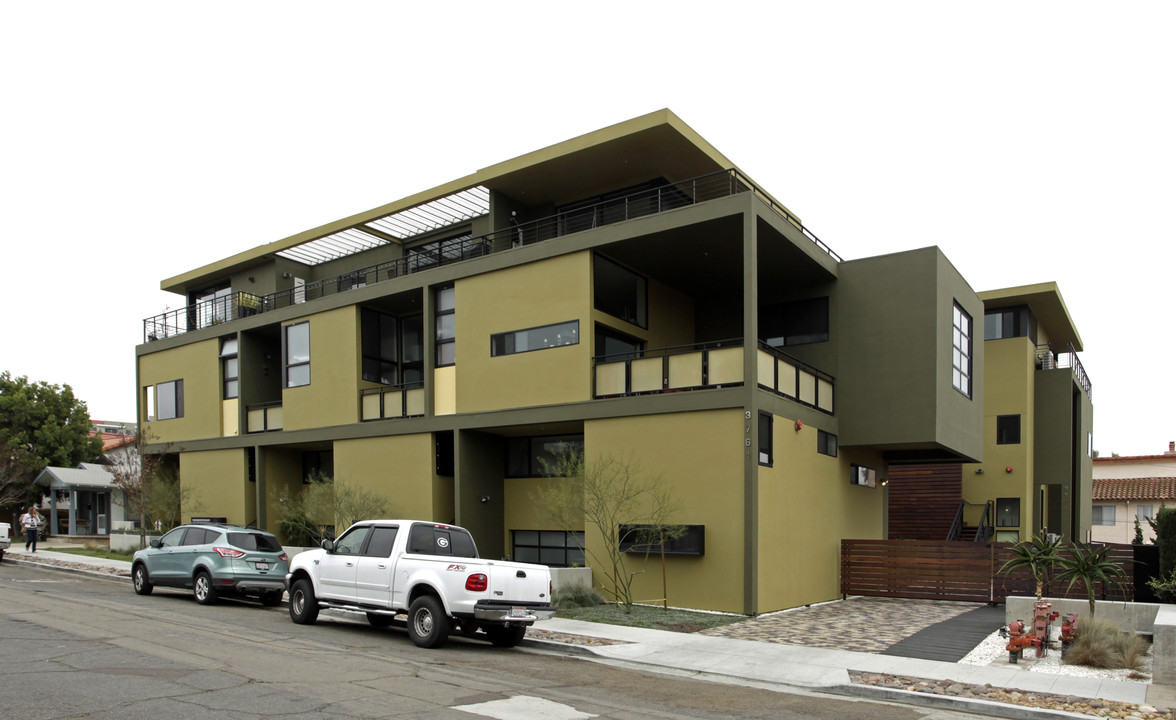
x: 87, y: 647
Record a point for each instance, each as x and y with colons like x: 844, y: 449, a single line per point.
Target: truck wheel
x: 428, y: 626
x: 203, y: 590
x: 141, y: 581
x: 506, y: 637
x: 379, y: 621
x: 304, y: 607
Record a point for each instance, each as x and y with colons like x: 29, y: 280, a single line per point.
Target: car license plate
x: 519, y: 612
x: 263, y: 566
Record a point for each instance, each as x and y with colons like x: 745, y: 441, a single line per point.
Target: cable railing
x: 1066, y: 358
x: 651, y: 201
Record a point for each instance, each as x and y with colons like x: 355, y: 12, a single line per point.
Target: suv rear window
x: 429, y: 540
x: 255, y: 541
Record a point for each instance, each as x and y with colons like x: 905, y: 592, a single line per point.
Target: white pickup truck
x: 429, y: 571
x: 5, y: 538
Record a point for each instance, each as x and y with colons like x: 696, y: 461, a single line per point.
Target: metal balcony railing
x: 723, y: 183
x: 794, y: 379
x: 1050, y: 359
x: 669, y: 369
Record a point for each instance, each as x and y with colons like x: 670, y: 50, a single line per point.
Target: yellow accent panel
x: 371, y: 404
x: 216, y: 483
x: 610, y: 379
x: 806, y: 506
x: 445, y: 390
x: 332, y: 397
x: 702, y: 455
x: 647, y: 374
x: 765, y: 366
x: 726, y: 366
x: 808, y: 387
x: 518, y: 298
x: 686, y: 370
x: 787, y: 380
x: 198, y: 365
x: 825, y: 395
x: 1009, y: 373
x: 229, y: 422
x: 401, y: 469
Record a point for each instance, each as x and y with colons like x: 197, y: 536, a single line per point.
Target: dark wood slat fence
x: 940, y: 570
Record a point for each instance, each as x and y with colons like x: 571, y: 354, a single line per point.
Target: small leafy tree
x: 1138, y: 539
x: 1151, y: 522
x: 1089, y: 565
x: 1038, y: 556
x: 320, y: 506
x: 135, y: 473
x: 607, y: 493
x: 40, y: 425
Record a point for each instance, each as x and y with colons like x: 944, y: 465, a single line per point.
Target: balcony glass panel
x: 685, y: 371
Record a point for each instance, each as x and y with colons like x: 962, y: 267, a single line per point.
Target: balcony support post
x: 750, y: 413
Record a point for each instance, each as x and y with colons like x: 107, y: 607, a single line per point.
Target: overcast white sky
x: 1031, y: 141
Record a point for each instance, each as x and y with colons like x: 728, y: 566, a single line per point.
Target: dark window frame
x: 287, y: 365
x: 440, y: 342
x: 962, y: 349
x: 230, y: 368
x: 503, y: 344
x: 544, y: 551
x: 176, y: 408
x: 372, y: 331
x: 692, y: 542
x: 826, y: 443
x: 640, y: 314
x: 1008, y: 429
x: 1004, y: 504
x: 534, y: 467
x: 766, y: 423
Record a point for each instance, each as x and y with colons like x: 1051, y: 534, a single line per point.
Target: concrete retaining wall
x: 569, y: 577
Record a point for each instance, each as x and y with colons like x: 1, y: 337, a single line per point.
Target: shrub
x: 577, y: 596
x: 1100, y: 644
x: 1166, y: 540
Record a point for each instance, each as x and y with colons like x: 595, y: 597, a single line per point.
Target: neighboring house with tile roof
x: 1126, y: 488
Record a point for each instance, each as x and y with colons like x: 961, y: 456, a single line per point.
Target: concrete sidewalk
x: 773, y: 663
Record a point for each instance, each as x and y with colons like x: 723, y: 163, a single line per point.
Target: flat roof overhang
x: 655, y: 145
x: 1045, y: 300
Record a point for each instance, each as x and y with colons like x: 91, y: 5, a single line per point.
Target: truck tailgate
x: 518, y: 582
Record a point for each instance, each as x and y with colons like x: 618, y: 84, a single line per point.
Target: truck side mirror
x: 328, y: 545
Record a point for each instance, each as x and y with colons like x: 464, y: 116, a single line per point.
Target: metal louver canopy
x: 449, y: 210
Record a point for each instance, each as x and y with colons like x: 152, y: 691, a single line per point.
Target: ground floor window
x: 1008, y: 512
x: 548, y: 547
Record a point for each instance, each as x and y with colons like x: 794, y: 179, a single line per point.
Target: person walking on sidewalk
x: 30, y: 521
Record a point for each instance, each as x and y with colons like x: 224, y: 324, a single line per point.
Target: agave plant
x: 1038, y: 556
x: 1090, y: 565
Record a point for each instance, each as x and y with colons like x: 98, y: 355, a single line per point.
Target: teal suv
x: 214, y: 560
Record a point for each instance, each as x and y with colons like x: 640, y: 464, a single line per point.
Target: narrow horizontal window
x: 540, y: 338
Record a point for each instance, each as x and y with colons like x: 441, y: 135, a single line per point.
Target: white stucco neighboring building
x: 1130, y: 487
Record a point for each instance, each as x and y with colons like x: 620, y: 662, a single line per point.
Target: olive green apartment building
x: 629, y: 292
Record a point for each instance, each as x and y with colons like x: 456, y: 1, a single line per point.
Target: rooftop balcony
x: 1049, y: 358
x: 236, y: 305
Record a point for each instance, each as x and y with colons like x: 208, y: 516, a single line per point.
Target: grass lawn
x: 654, y: 618
x: 95, y: 552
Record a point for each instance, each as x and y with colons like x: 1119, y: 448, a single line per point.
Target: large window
x: 536, y: 456
x: 1008, y: 429
x: 445, y: 319
x: 378, y: 340
x: 548, y: 547
x: 961, y: 362
x: 648, y: 539
x: 1008, y: 512
x: 1102, y: 515
x: 1009, y: 322
x: 412, y: 344
x: 229, y: 368
x: 169, y: 400
x: 795, y: 323
x: 297, y: 352
x: 540, y: 338
x: 619, y: 292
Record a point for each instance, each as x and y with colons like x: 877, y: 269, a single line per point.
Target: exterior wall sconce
x: 485, y: 498
x: 979, y: 471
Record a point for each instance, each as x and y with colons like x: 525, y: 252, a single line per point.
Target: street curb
x: 62, y: 568
x: 951, y: 702
x: 551, y: 645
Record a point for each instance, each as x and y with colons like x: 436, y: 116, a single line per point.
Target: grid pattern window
x: 445, y: 320
x: 1102, y: 515
x: 229, y: 368
x: 765, y: 438
x: 536, y: 456
x: 297, y: 352
x: 540, y: 338
x: 620, y: 292
x: 378, y: 347
x: 961, y: 363
x: 548, y: 547
x: 1008, y: 512
x: 826, y: 443
x: 1008, y: 429
x: 169, y: 400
